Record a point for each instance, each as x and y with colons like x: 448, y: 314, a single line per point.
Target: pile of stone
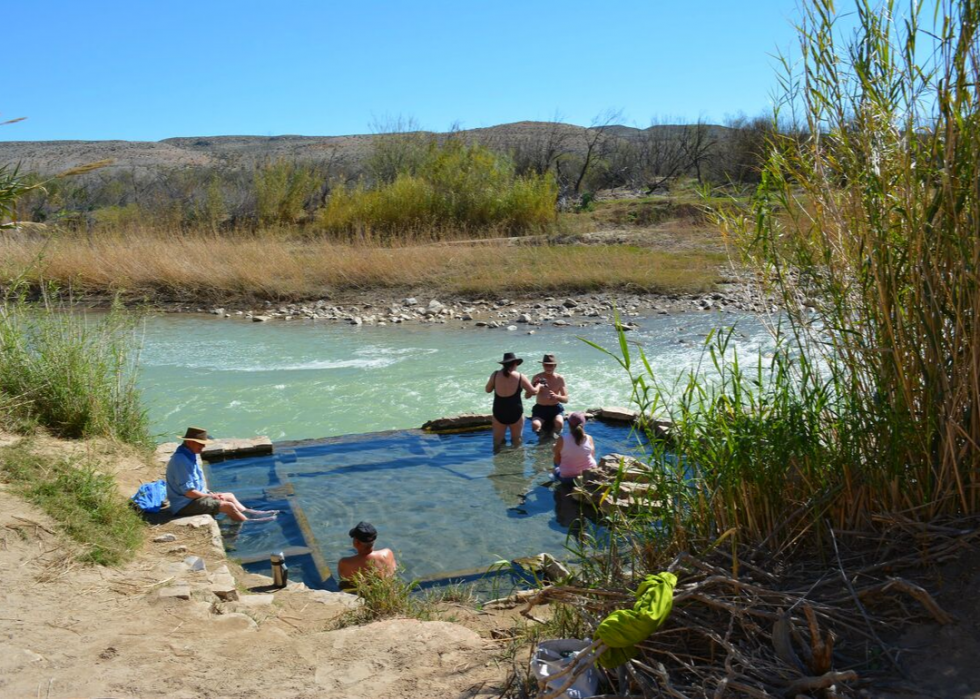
x: 479, y: 312
x: 659, y: 426
x: 619, y: 484
x: 582, y: 310
x: 214, y: 592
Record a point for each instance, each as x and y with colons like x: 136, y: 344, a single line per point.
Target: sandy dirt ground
x: 943, y: 661
x: 155, y: 628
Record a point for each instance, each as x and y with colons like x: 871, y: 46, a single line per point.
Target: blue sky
x: 147, y: 70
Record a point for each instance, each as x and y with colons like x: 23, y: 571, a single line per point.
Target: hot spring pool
x: 445, y: 504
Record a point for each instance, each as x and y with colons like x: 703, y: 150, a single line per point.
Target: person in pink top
x: 574, y: 454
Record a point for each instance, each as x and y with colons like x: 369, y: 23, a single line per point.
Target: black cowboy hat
x: 509, y: 358
x: 549, y: 359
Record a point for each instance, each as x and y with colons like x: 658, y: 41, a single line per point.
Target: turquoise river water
x: 302, y: 380
x: 446, y: 504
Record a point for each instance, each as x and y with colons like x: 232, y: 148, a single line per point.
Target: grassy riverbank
x: 280, y: 267
x: 84, y: 501
x: 68, y: 374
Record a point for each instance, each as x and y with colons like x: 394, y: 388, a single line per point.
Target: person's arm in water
x: 556, y: 451
x: 490, y: 382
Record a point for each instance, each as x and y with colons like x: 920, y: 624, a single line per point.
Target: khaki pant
x: 201, y: 506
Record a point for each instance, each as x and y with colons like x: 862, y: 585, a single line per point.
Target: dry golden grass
x: 273, y: 267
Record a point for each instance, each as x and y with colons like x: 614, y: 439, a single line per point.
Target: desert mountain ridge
x: 50, y: 157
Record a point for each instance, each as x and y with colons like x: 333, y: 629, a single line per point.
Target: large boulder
x: 617, y: 414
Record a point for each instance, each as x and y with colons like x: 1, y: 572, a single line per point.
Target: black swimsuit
x: 508, y: 409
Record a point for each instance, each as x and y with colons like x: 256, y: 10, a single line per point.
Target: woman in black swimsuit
x: 508, y: 408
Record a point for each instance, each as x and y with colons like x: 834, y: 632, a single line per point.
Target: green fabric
x: 624, y: 628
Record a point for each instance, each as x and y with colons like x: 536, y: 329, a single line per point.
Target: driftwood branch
x: 912, y: 590
x: 772, y: 630
x: 809, y: 684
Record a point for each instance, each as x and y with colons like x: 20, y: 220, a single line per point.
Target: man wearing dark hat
x: 187, y: 490
x: 382, y: 562
x: 548, y: 411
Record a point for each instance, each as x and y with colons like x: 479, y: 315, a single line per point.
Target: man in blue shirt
x: 187, y: 490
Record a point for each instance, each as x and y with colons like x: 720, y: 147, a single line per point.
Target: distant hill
x: 50, y: 157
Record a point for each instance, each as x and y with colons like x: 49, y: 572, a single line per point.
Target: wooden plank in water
x: 279, y: 492
x: 322, y: 568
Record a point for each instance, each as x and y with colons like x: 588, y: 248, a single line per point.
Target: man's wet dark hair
x: 364, y: 532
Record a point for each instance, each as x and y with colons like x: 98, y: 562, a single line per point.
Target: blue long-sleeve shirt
x: 184, y: 472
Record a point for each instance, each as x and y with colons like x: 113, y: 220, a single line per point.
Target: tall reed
x: 868, y: 230
x: 71, y: 373
x: 865, y: 225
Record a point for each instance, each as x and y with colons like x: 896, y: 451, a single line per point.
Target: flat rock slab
x: 340, y: 599
x: 616, y: 414
x: 386, y: 659
x: 195, y: 522
x: 221, y: 449
x: 234, y: 622
x: 175, y: 592
x: 177, y: 569
x: 459, y: 423
x: 201, y: 521
x: 224, y: 589
x: 256, y: 601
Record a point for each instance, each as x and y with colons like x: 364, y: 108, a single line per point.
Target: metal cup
x: 280, y: 572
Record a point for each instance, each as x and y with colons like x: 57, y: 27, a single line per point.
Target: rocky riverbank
x: 512, y: 314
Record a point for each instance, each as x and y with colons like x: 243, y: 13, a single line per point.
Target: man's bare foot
x: 261, y: 519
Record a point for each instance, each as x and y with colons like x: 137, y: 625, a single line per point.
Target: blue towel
x: 151, y: 496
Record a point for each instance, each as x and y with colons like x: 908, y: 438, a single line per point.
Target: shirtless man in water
x: 548, y: 410
x: 366, y: 559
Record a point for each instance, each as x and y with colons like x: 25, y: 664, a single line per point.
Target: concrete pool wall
x: 445, y: 504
